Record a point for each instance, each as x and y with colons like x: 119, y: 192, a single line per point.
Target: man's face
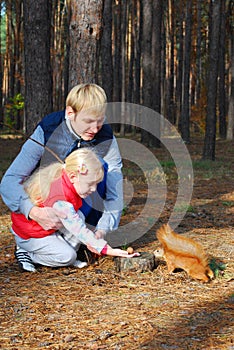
x: 86, y: 125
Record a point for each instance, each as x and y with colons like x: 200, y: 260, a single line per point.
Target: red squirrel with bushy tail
x: 184, y: 253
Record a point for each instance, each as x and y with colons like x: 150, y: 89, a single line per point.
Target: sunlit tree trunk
x: 85, y: 29
x: 8, y: 56
x: 1, y: 73
x: 18, y: 50
x: 38, y: 77
x: 210, y: 132
x: 132, y: 38
x: 58, y: 46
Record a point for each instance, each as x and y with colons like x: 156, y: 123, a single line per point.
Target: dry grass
x: 97, y: 308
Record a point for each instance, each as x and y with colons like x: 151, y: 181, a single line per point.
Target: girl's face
x: 84, y: 185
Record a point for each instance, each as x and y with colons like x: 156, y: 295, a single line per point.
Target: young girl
x: 61, y: 186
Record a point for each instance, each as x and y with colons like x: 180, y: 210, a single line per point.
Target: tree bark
x: 210, y: 132
x: 117, y: 73
x: 179, y: 73
x: 137, y: 61
x: 85, y: 29
x: 221, y: 85
x: 156, y: 63
x: 230, y: 127
x: 198, y: 51
x: 171, y: 73
x: 185, y: 112
x: 38, y: 80
x: 106, y: 51
x: 1, y: 73
x: 147, y: 62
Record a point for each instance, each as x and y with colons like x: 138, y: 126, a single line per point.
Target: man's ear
x: 70, y: 113
x: 72, y: 176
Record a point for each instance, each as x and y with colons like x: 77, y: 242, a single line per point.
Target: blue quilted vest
x: 58, y: 137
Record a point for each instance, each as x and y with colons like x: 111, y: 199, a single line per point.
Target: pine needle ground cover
x: 98, y: 308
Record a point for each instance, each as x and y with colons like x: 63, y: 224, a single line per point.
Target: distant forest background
x: 175, y: 57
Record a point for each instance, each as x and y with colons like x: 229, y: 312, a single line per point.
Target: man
x: 81, y: 124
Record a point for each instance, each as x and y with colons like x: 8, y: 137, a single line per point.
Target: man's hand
x: 48, y: 218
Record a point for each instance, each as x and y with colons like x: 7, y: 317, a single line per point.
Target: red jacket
x: 61, y: 189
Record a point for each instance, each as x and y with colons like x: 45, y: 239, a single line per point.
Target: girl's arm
x: 80, y: 233
x: 119, y: 252
x: 77, y: 230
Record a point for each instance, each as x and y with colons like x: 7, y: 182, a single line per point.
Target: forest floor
x: 99, y: 308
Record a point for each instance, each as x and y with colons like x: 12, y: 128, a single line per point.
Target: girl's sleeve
x: 75, y: 225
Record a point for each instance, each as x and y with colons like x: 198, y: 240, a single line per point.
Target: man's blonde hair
x: 38, y: 184
x: 89, y: 97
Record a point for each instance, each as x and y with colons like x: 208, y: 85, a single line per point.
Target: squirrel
x: 184, y: 253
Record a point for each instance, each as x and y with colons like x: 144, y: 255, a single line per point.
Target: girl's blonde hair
x: 87, y: 96
x: 82, y: 162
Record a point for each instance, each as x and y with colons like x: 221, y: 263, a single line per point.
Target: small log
x: 144, y: 262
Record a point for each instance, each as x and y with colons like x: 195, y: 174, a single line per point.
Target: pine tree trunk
x: 198, y: 52
x: 1, y: 73
x: 117, y: 53
x: 156, y: 64
x: 59, y: 34
x: 106, y: 51
x: 179, y: 75
x: 85, y: 30
x: 129, y: 94
x: 171, y: 30
x: 137, y: 62
x: 221, y: 85
x: 18, y: 58
x: 38, y: 81
x: 185, y: 112
x: 147, y: 62
x: 210, y: 133
x: 230, y: 127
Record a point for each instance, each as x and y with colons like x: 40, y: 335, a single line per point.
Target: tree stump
x: 144, y: 262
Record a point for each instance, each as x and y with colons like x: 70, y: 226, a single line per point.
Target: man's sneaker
x: 24, y: 261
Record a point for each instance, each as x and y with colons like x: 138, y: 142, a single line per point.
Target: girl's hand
x: 92, y: 250
x: 99, y: 234
x: 120, y: 252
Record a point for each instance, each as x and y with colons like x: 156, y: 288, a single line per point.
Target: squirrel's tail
x: 176, y: 243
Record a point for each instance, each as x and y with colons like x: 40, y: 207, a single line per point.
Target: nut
x: 130, y: 250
